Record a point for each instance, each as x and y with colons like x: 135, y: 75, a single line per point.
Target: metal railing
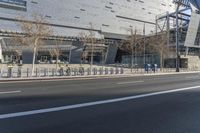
x: 46, y: 72
x: 96, y: 71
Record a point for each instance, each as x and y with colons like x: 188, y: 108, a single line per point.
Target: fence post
x: 122, y: 70
x: 19, y: 73
x: 27, y: 72
x: 61, y: 71
x: 88, y: 71
x: 36, y: 72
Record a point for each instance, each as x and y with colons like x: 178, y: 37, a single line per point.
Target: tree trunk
x: 57, y: 63
x: 161, y: 61
x: 34, y: 56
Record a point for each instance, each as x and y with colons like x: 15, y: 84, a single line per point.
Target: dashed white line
x: 192, y: 77
x: 9, y: 92
x: 82, y: 105
x: 131, y: 82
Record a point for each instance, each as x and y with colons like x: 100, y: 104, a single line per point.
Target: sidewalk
x: 56, y: 78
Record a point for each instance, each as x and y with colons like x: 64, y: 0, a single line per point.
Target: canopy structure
x: 193, y: 36
x: 195, y: 3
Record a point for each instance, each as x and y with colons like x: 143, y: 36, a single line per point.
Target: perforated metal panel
x: 108, y: 16
x: 193, y: 28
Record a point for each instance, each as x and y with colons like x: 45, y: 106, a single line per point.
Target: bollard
x: 101, y: 71
x: 39, y: 72
x: 19, y: 72
x: 68, y: 71
x: 27, y: 72
x: 147, y: 68
x: 45, y: 72
x: 61, y: 72
x: 106, y: 71
x: 88, y: 71
x: 36, y: 72
x: 10, y: 72
x: 72, y: 72
x: 48, y: 72
x: 81, y: 71
x: 94, y: 71
x: 116, y: 71
x: 111, y: 71
x: 122, y: 70
x: 10, y: 67
x: 52, y: 72
x: 75, y: 71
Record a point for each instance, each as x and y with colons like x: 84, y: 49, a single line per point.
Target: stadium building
x: 109, y: 20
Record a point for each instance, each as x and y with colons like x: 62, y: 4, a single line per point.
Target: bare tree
x: 92, y: 39
x: 134, y: 41
x: 133, y: 46
x: 34, y: 33
x: 56, y: 52
x: 89, y: 38
x: 158, y: 44
x: 84, y: 39
x: 153, y: 44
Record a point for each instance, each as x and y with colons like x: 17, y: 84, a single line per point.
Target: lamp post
x: 144, y: 39
x: 177, y: 2
x: 135, y: 51
x: 131, y: 49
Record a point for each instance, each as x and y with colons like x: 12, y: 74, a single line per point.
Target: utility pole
x: 135, y: 52
x: 132, y: 50
x: 177, y: 37
x: 144, y: 44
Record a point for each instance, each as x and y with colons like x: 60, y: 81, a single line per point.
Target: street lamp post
x: 177, y: 36
x: 135, y: 51
x: 131, y: 50
x: 133, y: 47
x: 144, y: 30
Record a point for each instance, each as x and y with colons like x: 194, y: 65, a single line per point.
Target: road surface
x: 145, y: 104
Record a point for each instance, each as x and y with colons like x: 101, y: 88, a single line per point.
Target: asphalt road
x: 152, y: 104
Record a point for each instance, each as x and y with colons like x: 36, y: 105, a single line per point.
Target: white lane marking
x: 192, y: 77
x: 9, y: 92
x: 132, y: 82
x: 82, y: 105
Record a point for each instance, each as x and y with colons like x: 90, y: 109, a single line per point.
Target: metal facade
x: 70, y: 17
